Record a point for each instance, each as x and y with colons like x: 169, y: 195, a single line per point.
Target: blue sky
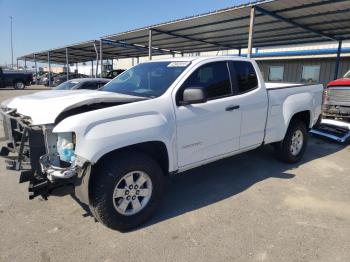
x: 41, y: 25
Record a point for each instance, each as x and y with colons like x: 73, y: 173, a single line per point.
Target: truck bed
x: 279, y: 85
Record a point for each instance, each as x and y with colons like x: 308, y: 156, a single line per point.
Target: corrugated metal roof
x: 303, y: 21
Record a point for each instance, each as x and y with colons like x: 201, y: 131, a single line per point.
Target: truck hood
x: 340, y: 82
x: 44, y: 107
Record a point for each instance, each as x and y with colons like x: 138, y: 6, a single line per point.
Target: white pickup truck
x: 115, y: 146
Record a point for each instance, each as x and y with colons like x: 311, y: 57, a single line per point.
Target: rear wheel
x: 126, y: 190
x: 19, y: 85
x: 293, y: 146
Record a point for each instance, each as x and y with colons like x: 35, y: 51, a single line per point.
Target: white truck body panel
x: 102, y: 131
x: 193, y: 134
x: 44, y: 107
x: 206, y: 131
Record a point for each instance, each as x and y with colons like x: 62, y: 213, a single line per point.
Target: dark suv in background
x: 16, y: 79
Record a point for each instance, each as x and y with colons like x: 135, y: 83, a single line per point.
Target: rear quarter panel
x: 284, y: 103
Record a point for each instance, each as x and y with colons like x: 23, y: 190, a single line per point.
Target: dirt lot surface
x: 246, y: 208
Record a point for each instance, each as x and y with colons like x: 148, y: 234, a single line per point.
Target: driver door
x: 210, y: 129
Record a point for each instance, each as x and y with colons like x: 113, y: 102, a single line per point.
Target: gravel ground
x: 246, y: 208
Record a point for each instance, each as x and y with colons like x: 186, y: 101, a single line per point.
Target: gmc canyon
x: 115, y: 146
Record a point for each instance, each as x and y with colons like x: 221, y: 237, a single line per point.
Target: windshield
x: 66, y: 85
x: 147, y: 79
x: 347, y: 75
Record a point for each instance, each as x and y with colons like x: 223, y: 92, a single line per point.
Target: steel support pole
x: 76, y: 67
x: 101, y: 57
x: 11, y: 18
x: 150, y: 44
x: 92, y: 68
x: 49, y: 62
x: 95, y: 47
x: 239, y: 51
x: 337, y: 61
x: 17, y: 65
x: 25, y: 63
x: 137, y: 60
x: 36, y: 70
x: 67, y: 64
x: 251, y: 31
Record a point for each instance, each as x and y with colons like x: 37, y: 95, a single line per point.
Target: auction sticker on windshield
x: 179, y: 64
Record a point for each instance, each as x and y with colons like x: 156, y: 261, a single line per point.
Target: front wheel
x: 126, y: 189
x: 293, y: 146
x: 19, y: 85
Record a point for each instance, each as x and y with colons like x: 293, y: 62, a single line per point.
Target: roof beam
x: 89, y: 50
x: 191, y: 38
x: 310, y: 5
x: 289, y: 21
x: 76, y: 56
x: 136, y: 47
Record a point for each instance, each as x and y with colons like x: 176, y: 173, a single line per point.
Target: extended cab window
x: 244, y: 76
x: 214, y: 77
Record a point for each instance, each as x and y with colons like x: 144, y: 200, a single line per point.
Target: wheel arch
x: 304, y: 116
x: 156, y: 149
x: 16, y: 80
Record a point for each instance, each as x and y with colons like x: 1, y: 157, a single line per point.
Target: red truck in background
x: 336, y: 102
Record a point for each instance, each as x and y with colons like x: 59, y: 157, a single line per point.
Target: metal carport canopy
x: 84, y: 52
x: 90, y: 51
x: 277, y: 22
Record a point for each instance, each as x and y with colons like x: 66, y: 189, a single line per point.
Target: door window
x: 244, y: 76
x: 214, y: 77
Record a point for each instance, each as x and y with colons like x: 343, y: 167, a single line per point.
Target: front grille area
x: 338, y: 95
x: 24, y: 151
x: 26, y: 142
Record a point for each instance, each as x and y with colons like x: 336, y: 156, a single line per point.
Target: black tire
x: 283, y: 148
x: 19, y: 85
x: 106, y: 176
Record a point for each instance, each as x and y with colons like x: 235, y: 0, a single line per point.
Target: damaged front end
x: 46, y: 160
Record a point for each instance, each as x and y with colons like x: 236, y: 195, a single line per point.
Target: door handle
x: 231, y: 108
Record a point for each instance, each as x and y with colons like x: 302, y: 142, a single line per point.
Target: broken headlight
x: 66, y: 146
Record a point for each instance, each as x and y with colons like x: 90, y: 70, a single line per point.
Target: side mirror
x: 194, y: 95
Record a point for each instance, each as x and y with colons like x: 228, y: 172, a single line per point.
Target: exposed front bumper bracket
x: 55, y: 172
